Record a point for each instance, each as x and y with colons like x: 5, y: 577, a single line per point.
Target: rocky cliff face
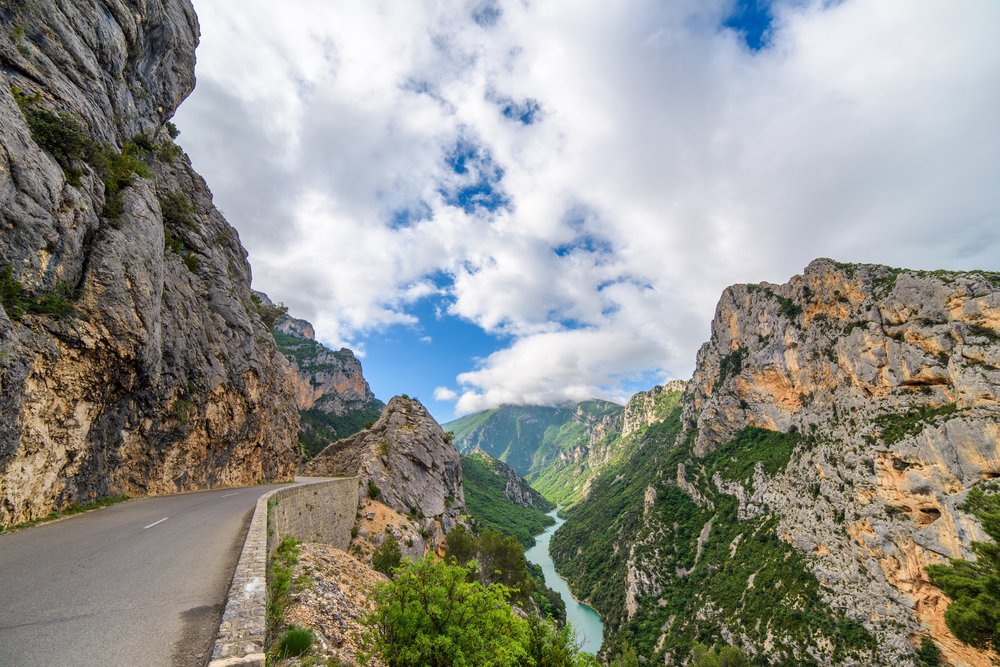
x: 332, y: 395
x: 131, y: 358
x: 837, y: 422
x: 325, y: 380
x: 897, y: 373
x: 405, y: 458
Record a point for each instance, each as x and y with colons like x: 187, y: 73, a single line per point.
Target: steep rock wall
x: 163, y: 377
x: 896, y: 375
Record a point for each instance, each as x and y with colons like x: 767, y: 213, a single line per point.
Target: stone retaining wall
x: 320, y: 512
x: 316, y: 512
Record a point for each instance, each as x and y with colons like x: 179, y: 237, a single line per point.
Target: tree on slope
x: 974, y: 587
x: 436, y: 614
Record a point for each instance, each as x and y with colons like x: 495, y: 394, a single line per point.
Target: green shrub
x: 928, y: 655
x: 192, y: 262
x: 437, y: 614
x: 10, y: 294
x: 269, y: 315
x: 177, y: 210
x: 59, y: 134
x: 974, y: 586
x: 118, y: 171
x: 279, y: 580
x: 54, y: 301
x: 172, y: 130
x: 144, y: 144
x: 169, y: 151
x: 388, y: 557
x: 294, y: 642
x: 725, y: 656
x: 171, y: 242
x: 372, y: 490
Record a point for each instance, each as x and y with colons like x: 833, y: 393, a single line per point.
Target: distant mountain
x: 333, y: 398
x: 501, y: 500
x: 560, y: 450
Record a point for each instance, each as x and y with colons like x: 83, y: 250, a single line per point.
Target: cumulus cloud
x: 583, y: 179
x: 444, y: 394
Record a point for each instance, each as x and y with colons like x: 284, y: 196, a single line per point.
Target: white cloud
x: 444, y: 394
x: 668, y: 162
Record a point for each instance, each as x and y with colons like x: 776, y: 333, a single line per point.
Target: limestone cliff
x: 131, y: 357
x: 896, y: 372
x: 332, y: 395
x: 405, y: 463
x: 325, y: 380
x: 831, y: 430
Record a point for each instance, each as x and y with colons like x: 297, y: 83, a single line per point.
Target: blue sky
x: 496, y: 201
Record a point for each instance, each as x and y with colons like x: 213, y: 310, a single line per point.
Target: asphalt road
x: 142, y: 583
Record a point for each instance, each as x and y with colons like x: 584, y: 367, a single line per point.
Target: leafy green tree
x: 552, y: 646
x: 724, y: 656
x: 627, y: 658
x: 974, y: 587
x: 388, y: 557
x: 928, y: 654
x: 438, y: 614
x: 501, y: 560
x: 433, y: 616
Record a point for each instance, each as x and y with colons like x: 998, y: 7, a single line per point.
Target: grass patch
x: 294, y: 642
x: 279, y: 581
x: 72, y: 510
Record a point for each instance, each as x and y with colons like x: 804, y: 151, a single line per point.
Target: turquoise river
x: 587, y: 624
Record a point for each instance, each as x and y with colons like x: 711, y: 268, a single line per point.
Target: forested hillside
x: 499, y: 499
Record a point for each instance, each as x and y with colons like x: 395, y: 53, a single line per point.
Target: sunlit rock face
x: 896, y: 374
x: 163, y: 377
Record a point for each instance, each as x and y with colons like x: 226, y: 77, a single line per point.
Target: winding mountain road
x: 142, y: 583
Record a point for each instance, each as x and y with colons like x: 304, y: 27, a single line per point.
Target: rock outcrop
x: 132, y: 359
x: 838, y: 421
x: 404, y: 462
x: 898, y: 375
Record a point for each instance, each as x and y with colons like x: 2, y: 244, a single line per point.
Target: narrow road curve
x: 142, y: 583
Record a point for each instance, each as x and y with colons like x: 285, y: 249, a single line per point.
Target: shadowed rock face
x: 404, y: 454
x: 164, y: 378
x: 897, y: 375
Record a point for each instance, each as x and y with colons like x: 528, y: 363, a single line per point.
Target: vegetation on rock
x: 16, y: 302
x: 974, y: 586
x: 716, y: 571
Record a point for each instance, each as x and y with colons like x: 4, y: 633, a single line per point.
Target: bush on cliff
x: 974, y: 587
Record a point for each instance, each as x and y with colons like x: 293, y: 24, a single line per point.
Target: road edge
x: 239, y: 640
